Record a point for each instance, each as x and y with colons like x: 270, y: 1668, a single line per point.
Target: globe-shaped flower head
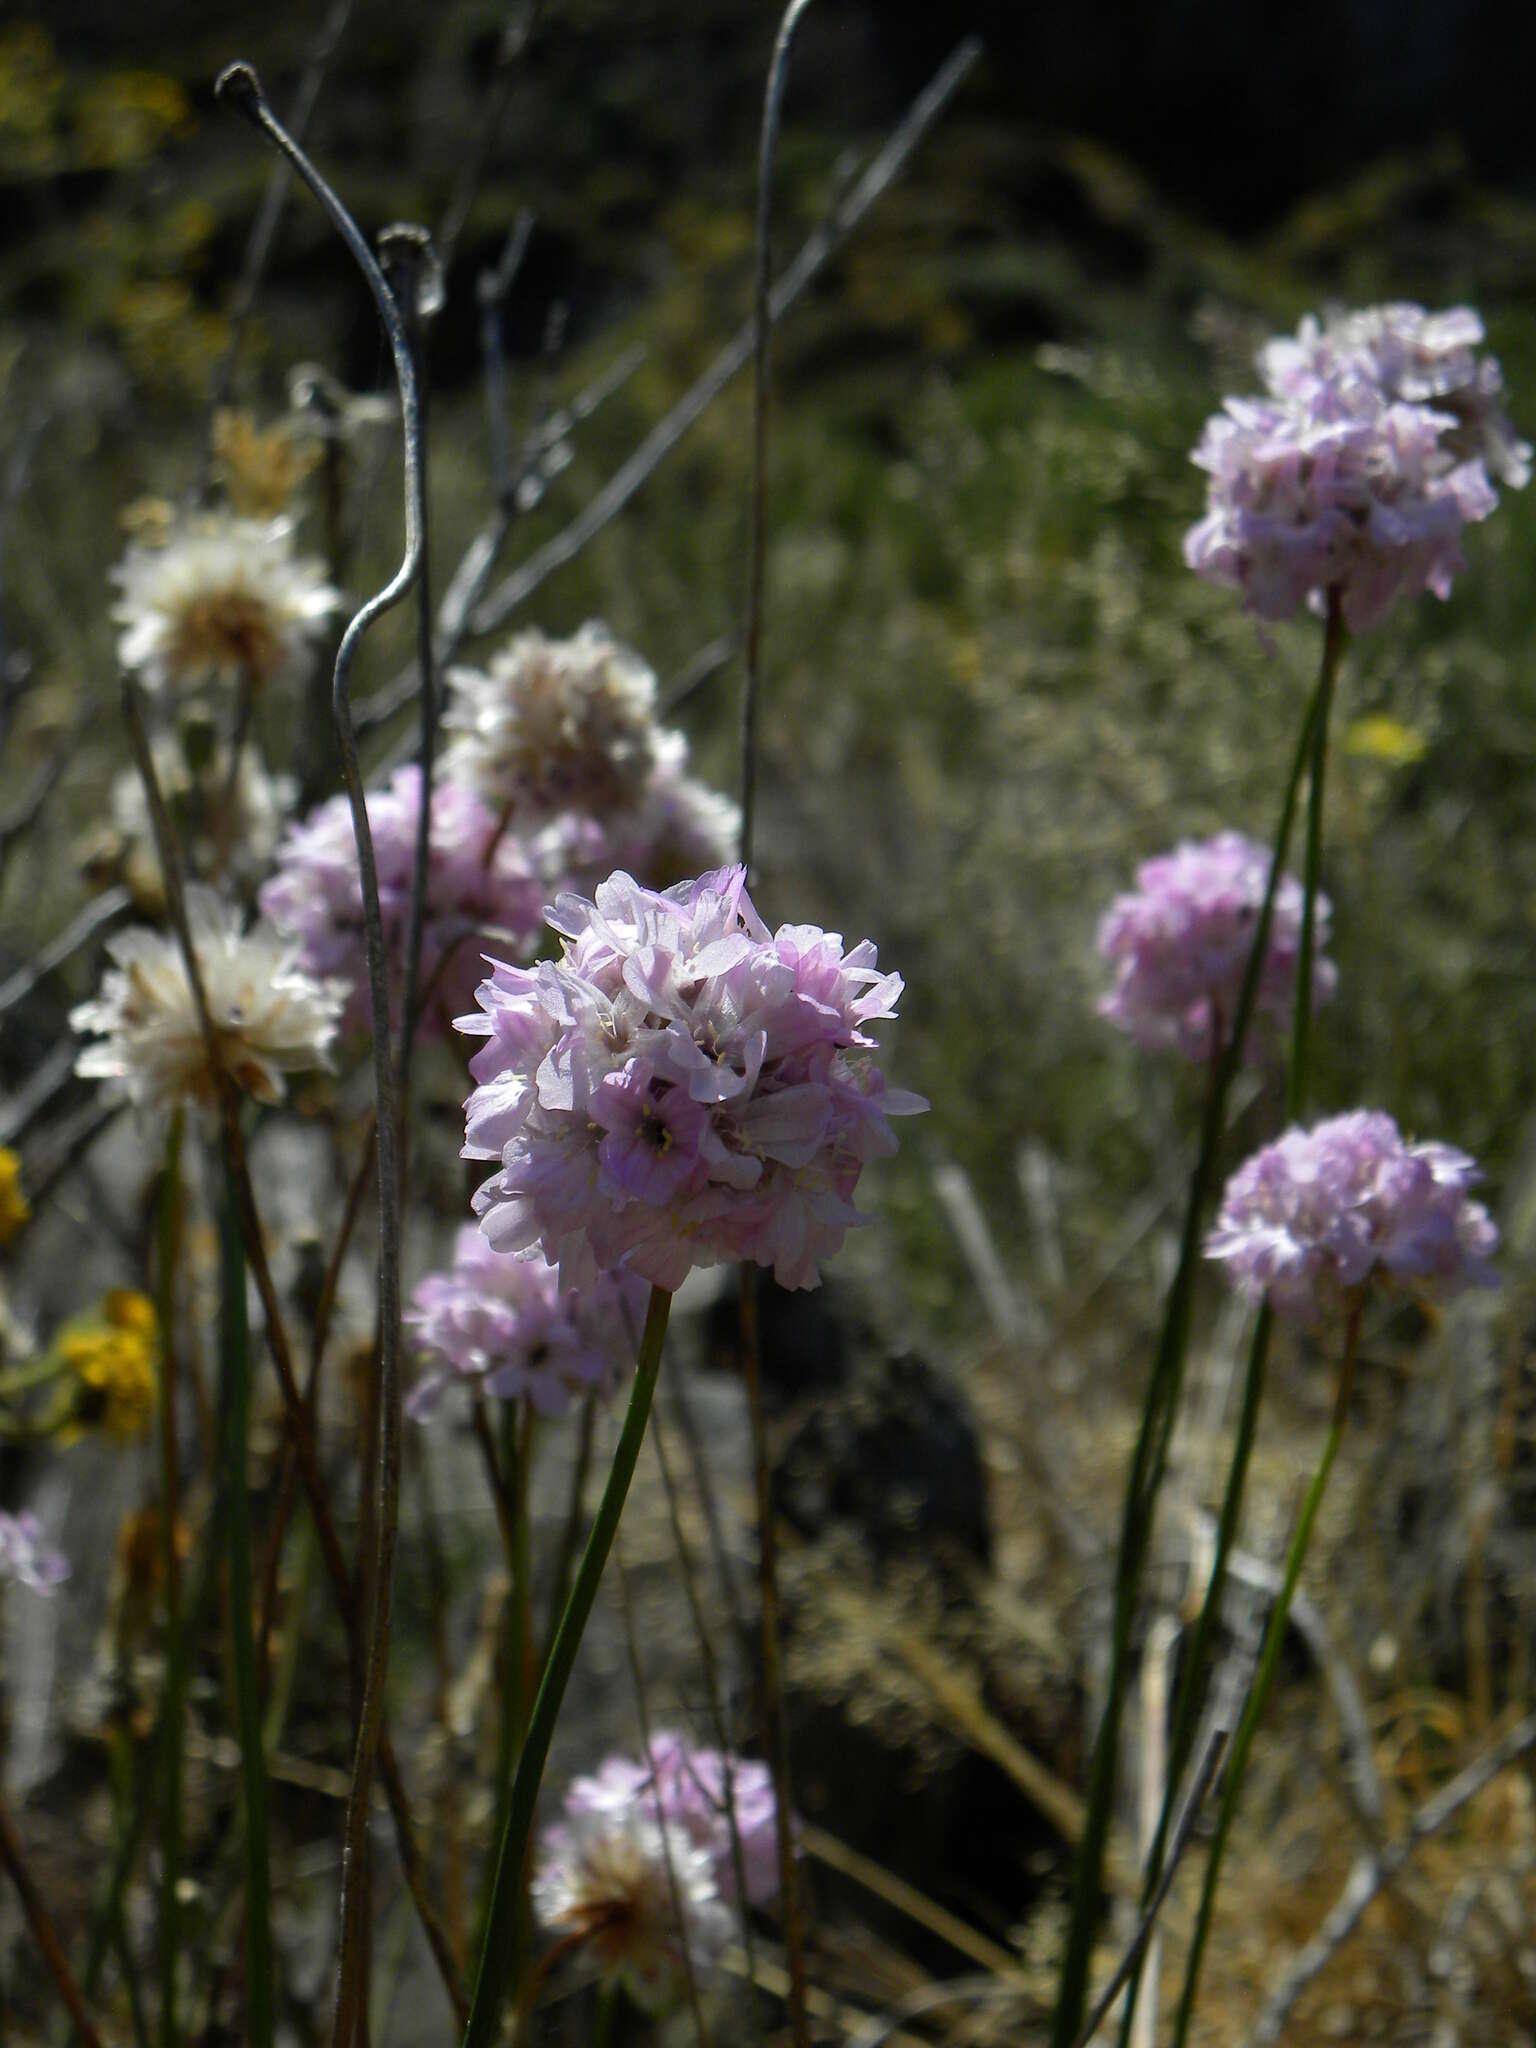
x: 1358, y: 470
x: 1180, y: 944
x: 698, y: 1790
x: 497, y: 1321
x: 1318, y: 1216
x: 683, y: 1088
x: 223, y: 600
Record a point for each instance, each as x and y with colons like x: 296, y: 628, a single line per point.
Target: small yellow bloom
x: 115, y: 1361
x: 1380, y: 738
x: 14, y: 1206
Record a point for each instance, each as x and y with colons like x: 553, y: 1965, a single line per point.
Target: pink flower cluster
x: 639, y: 1870
x: 1319, y: 1214
x: 688, y: 1788
x: 1180, y: 944
x: 682, y: 1088
x: 478, y: 875
x: 26, y: 1558
x: 1359, y: 469
x: 499, y: 1322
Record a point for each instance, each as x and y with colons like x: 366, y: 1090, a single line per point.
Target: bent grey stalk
x: 493, y: 1980
x: 238, y: 86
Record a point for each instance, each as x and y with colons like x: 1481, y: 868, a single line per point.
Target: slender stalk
x: 1150, y: 1455
x: 770, y: 1624
x: 1188, y: 1701
x: 235, y: 1377
x: 1264, y: 1680
x: 173, y: 1710
x: 43, y: 1932
x: 492, y: 1981
x: 752, y: 637
x: 570, y: 1535
x: 239, y: 85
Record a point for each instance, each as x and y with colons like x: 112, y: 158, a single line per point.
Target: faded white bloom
x: 223, y: 600
x: 557, y: 725
x: 268, y: 1017
x: 222, y: 829
x: 603, y: 1882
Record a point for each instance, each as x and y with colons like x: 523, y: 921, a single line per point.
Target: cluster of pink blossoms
x: 1359, y: 469
x: 682, y: 1088
x: 499, y: 1323
x: 639, y: 1840
x: 1315, y: 1217
x: 24, y: 1556
x: 1180, y: 944
x: 478, y: 875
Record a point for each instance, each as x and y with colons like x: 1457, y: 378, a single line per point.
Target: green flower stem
x: 1190, y: 1696
x: 496, y: 1956
x: 1151, y: 1452
x: 1263, y: 1684
x: 235, y: 1375
x: 512, y: 1481
x: 173, y: 1712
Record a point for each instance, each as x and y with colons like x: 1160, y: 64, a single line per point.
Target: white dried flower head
x: 603, y: 1882
x: 224, y: 599
x: 556, y: 725
x: 268, y: 1017
x: 235, y: 830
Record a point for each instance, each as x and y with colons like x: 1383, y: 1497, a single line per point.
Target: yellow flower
x: 115, y: 1361
x: 14, y: 1206
x: 1380, y: 738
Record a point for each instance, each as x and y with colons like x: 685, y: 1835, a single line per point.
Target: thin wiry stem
x: 492, y: 1981
x: 407, y: 254
x: 643, y: 1714
x: 1183, y: 1835
x: 299, y: 1420
x: 1151, y: 1450
x: 239, y: 86
x: 712, y: 1690
x: 235, y: 1404
x: 773, y: 107
x: 1313, y: 749
x: 1264, y: 1680
x: 814, y: 255
x: 515, y: 37
x: 776, y: 1727
x: 173, y: 1713
x: 258, y: 248
x: 43, y: 1931
x: 768, y: 1588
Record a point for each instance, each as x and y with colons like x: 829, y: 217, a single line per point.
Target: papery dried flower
x: 26, y: 1558
x: 696, y: 1790
x: 114, y: 1357
x: 221, y: 600
x: 269, y: 1017
x: 684, y: 1088
x: 680, y: 827
x: 556, y: 725
x: 260, y: 471
x: 1314, y: 1218
x: 479, y: 875
x: 1180, y: 944
x: 499, y: 1322
x: 1421, y: 358
x: 603, y: 1881
x: 227, y: 832
x: 15, y: 1210
x: 1360, y: 468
